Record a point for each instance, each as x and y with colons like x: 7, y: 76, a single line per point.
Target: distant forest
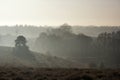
x: 98, y: 45
x: 30, y: 30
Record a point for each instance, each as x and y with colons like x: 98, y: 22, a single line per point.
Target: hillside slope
x: 8, y: 58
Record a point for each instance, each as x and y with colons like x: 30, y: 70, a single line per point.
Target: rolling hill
x: 8, y: 58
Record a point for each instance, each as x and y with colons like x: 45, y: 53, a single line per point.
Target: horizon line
x: 25, y: 25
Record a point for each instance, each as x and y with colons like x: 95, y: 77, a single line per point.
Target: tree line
x: 105, y: 48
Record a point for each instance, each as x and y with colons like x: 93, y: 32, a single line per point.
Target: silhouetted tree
x: 21, y: 50
x: 20, y: 41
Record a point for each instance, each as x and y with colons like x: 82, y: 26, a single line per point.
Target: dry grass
x: 12, y: 73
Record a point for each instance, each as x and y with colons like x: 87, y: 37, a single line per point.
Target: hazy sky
x: 57, y: 12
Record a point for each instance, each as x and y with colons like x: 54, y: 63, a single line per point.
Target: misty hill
x: 104, y: 48
x: 8, y: 58
x: 74, y: 43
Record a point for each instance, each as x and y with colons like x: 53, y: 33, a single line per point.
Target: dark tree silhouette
x: 20, y: 46
x: 21, y: 50
x: 20, y: 41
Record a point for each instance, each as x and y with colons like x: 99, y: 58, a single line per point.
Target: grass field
x: 13, y: 73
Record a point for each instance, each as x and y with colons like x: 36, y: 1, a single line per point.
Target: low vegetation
x: 22, y: 73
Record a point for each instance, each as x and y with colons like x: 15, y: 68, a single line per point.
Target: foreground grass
x: 13, y: 73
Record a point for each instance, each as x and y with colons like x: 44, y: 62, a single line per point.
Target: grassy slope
x: 7, y: 58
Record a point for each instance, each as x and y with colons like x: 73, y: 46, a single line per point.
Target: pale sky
x: 57, y: 12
